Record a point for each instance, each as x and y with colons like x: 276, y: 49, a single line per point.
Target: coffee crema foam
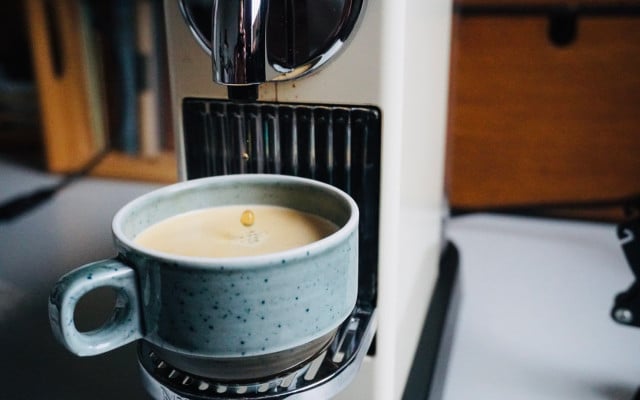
x: 225, y: 232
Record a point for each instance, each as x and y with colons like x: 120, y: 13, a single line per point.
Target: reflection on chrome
x: 255, y: 41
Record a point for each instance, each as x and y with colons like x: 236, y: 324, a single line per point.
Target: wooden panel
x: 62, y: 87
x: 161, y: 168
x: 530, y: 122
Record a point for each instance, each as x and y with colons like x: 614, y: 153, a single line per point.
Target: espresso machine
x: 348, y: 92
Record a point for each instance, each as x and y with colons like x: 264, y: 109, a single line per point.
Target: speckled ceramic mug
x: 204, y: 312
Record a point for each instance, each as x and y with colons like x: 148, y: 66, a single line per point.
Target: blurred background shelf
x: 100, y: 73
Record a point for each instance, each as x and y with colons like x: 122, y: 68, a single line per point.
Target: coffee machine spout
x: 238, y: 42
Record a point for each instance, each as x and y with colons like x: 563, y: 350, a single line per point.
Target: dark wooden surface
x: 532, y: 122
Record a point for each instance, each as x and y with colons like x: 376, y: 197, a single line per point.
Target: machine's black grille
x: 339, y: 145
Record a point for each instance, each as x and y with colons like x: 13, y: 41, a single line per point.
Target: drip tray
x: 324, y: 376
x: 244, y: 368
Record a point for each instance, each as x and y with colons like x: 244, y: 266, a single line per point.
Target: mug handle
x: 122, y: 327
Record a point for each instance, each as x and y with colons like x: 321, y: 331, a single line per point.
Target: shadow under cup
x: 242, y: 317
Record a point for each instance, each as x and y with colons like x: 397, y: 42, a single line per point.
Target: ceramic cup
x: 205, y: 314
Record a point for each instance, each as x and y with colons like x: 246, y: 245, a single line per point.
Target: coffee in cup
x: 235, y: 231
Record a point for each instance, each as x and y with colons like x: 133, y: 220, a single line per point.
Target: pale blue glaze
x: 237, y: 307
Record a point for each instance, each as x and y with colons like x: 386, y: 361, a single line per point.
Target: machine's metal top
x: 255, y: 41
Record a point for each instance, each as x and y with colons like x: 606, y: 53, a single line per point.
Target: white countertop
x: 534, y: 319
x: 533, y: 323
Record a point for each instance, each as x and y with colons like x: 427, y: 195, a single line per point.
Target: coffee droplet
x: 247, y: 218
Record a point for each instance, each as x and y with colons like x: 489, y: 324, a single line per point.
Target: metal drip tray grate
x: 322, y: 377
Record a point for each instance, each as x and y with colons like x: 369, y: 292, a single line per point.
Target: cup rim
x: 242, y: 262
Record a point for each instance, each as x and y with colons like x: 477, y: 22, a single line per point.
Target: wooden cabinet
x: 532, y: 121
